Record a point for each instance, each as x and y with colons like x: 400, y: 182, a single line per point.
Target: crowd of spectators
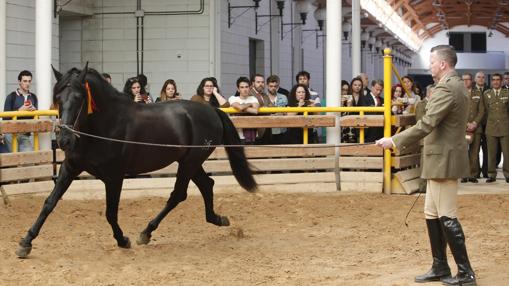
x: 487, y: 130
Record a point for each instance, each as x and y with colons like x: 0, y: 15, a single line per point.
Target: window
x: 478, y: 42
x: 256, y: 57
x: 468, y: 42
x: 456, y: 40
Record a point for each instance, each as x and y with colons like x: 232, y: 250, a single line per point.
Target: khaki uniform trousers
x: 441, y: 198
x: 492, y: 155
x: 473, y: 155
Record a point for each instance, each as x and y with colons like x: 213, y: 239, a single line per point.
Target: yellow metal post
x: 361, y: 131
x: 36, y: 138
x: 14, y: 141
x: 387, y: 117
x: 305, y: 132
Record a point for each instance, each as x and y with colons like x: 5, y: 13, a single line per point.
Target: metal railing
x: 386, y: 110
x: 14, y: 115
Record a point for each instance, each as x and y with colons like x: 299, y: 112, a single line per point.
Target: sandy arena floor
x: 275, y: 239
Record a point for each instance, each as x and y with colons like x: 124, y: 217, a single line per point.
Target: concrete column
x: 356, y: 38
x: 215, y: 40
x: 43, y: 39
x: 3, y: 86
x: 296, y: 36
x: 43, y: 73
x: 275, y: 39
x: 333, y: 62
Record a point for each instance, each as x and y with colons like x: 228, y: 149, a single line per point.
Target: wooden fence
x: 361, y: 166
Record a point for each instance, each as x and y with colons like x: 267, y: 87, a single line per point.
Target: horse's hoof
x: 143, y: 239
x: 125, y: 244
x: 224, y: 221
x: 23, y: 251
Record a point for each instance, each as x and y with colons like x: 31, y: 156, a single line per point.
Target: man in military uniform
x: 474, y: 128
x: 479, y: 87
x: 444, y: 160
x: 505, y: 84
x: 496, y: 109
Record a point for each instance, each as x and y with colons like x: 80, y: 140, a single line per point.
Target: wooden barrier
x: 26, y: 125
x: 406, y: 163
x: 292, y: 164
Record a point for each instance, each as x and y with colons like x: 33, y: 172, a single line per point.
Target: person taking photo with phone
x: 22, y: 99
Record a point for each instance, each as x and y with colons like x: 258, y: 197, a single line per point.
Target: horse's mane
x: 93, y: 77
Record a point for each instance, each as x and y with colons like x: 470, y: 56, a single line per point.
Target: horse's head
x: 69, y: 95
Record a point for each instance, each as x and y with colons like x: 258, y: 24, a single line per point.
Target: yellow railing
x: 386, y: 110
x: 306, y: 110
x: 14, y: 115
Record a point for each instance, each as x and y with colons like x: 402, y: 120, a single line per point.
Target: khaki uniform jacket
x: 475, y: 101
x: 443, y: 127
x: 496, y: 111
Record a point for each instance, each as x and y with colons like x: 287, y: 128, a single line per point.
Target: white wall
x: 175, y: 46
x: 235, y: 46
x: 20, y: 43
x: 70, y: 43
x: 372, y: 63
x: 497, y: 46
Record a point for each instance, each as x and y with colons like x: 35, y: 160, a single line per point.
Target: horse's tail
x: 236, y: 156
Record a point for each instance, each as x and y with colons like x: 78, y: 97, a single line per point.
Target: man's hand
x: 471, y: 126
x: 26, y: 108
x: 385, y: 143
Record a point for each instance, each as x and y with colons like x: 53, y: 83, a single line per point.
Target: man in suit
x: 474, y: 128
x: 373, y: 98
x: 496, y: 111
x: 444, y: 160
x: 365, y: 83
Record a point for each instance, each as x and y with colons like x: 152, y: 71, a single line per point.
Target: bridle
x: 75, y: 124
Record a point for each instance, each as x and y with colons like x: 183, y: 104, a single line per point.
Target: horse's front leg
x: 65, y: 177
x: 113, y: 190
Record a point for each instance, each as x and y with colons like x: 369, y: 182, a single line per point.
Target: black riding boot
x: 456, y: 240
x: 440, y: 269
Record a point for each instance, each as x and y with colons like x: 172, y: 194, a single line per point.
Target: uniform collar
x: 448, y: 75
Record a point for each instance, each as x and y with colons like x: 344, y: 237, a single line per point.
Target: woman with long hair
x: 132, y: 89
x: 399, y: 100
x: 409, y: 87
x: 299, y: 97
x: 356, y: 90
x: 208, y: 93
x: 350, y: 134
x: 169, y: 91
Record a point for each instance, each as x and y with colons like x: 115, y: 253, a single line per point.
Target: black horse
x: 115, y: 116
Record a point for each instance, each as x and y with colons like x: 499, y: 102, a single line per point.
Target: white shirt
x: 239, y: 100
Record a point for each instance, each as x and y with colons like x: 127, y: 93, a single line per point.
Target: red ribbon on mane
x: 91, y: 106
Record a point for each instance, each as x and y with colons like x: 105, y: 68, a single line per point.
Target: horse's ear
x: 57, y: 74
x: 83, y: 73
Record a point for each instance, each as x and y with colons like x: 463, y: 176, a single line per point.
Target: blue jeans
x: 25, y: 142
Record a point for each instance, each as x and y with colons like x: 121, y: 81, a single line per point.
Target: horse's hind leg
x: 206, y: 184
x: 178, y: 195
x: 113, y: 190
x: 65, y: 177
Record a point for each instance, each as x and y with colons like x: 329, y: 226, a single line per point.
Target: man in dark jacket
x: 22, y: 100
